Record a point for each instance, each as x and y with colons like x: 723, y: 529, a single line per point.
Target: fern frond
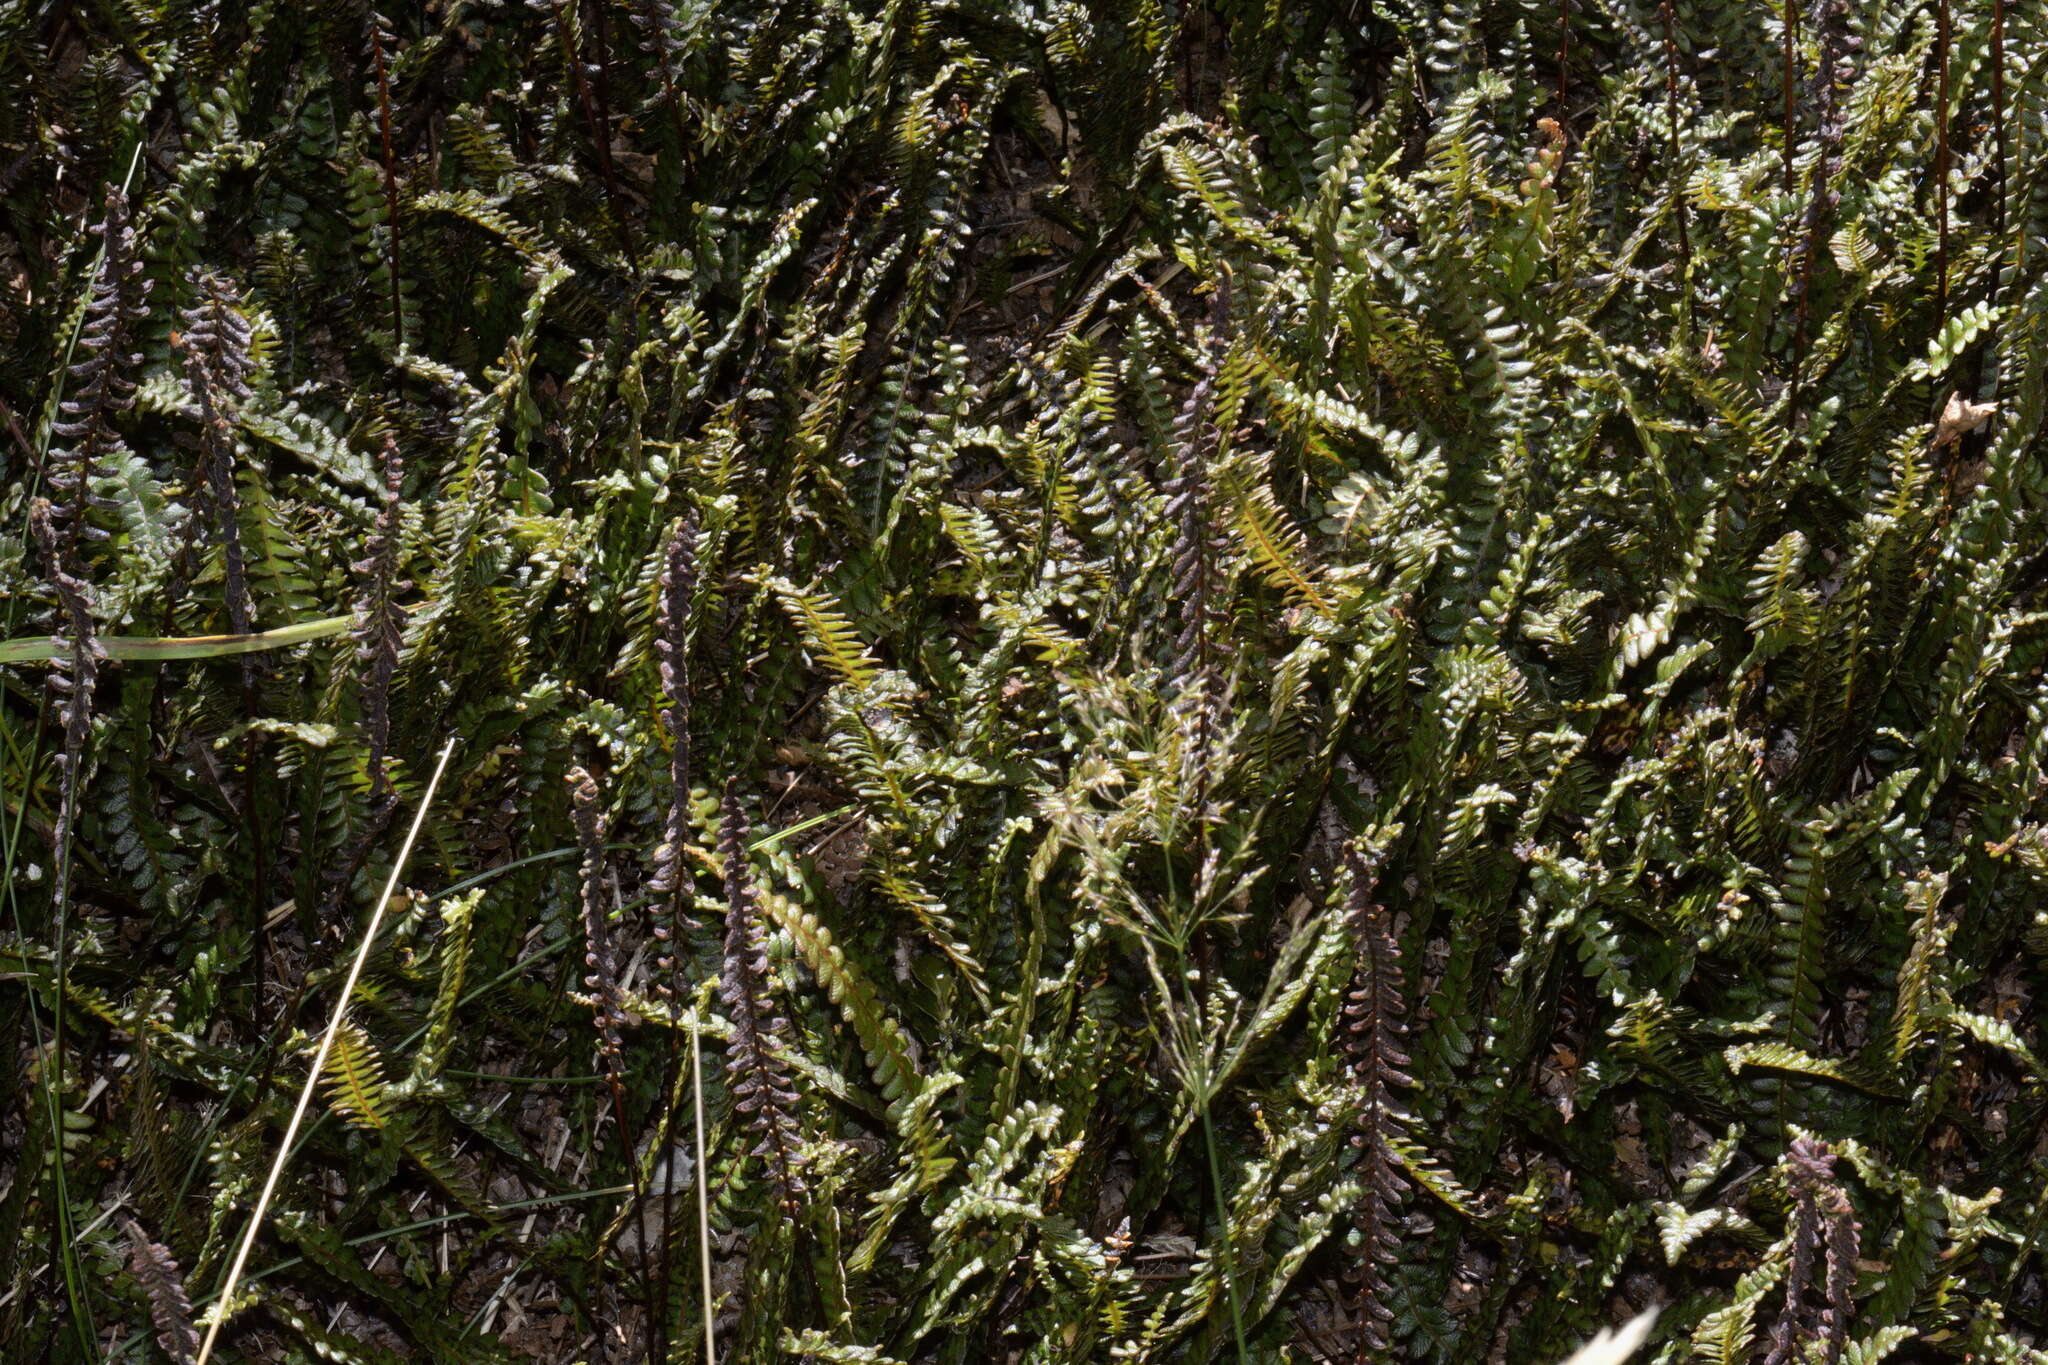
x: 1374, y: 1028
x: 170, y: 1308
x: 355, y: 1080
x: 760, y: 1083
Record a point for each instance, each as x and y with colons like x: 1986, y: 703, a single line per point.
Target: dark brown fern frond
x: 378, y: 628
x: 214, y: 341
x: 1790, y: 78
x: 1824, y: 1231
x: 602, y: 979
x: 593, y: 103
x: 1944, y: 41
x: 170, y: 1308
x: 215, y: 335
x: 1194, y: 544
x: 1998, y: 135
x: 377, y: 631
x: 1844, y: 1243
x: 1375, y: 1036
x: 1792, y: 1318
x: 1198, y: 544
x: 757, y: 1075
x: 669, y: 887
x: 1200, y: 547
x: 601, y: 90
x: 101, y: 386
x: 74, y: 678
x: 607, y: 995
x: 672, y: 650
x: 380, y: 36
x: 1564, y: 57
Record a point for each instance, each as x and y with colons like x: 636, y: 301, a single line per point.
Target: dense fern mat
x: 1244, y: 682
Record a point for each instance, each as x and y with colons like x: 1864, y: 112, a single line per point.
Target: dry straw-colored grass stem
x: 224, y: 1305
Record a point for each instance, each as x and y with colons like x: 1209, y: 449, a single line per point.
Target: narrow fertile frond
x: 677, y: 586
x: 215, y: 343
x: 1824, y: 1233
x: 1375, y: 1038
x: 102, y: 385
x: 170, y: 1308
x: 600, y: 958
x: 379, y: 629
x: 1198, y: 537
x: 382, y: 41
x: 1831, y: 74
x: 758, y: 1076
x: 73, y: 684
